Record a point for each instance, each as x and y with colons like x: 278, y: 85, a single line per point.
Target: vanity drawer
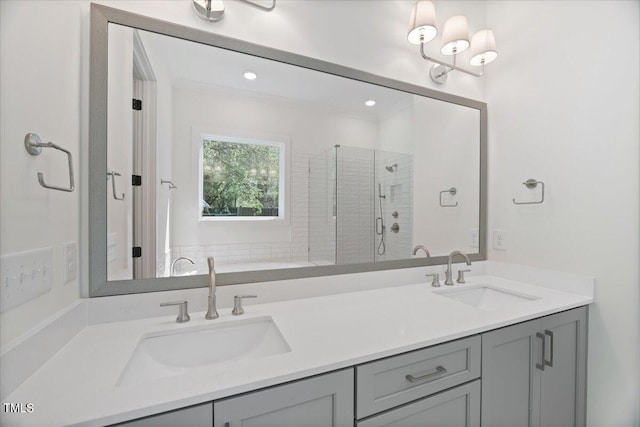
x: 459, y: 407
x: 390, y: 382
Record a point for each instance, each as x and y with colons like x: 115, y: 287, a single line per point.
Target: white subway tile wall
x: 355, y: 185
x: 322, y: 219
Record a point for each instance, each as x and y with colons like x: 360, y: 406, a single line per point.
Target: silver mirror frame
x: 101, y: 16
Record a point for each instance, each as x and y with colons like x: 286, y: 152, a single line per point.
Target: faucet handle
x: 183, y: 313
x: 461, y: 275
x: 436, y: 279
x: 237, y: 304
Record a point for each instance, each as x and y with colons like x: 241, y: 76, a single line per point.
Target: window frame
x: 280, y: 141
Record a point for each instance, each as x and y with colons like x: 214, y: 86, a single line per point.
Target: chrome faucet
x: 423, y: 248
x: 212, y: 313
x: 449, y: 273
x: 173, y: 264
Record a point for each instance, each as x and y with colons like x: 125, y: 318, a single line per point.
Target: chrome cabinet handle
x: 544, y: 350
x: 549, y: 362
x: 430, y: 376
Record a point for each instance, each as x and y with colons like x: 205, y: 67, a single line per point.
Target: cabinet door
x: 562, y: 384
x: 508, y: 381
x: 457, y: 407
x: 326, y: 400
x: 193, y: 416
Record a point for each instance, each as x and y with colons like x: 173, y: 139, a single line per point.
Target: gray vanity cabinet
x: 533, y: 373
x: 193, y: 416
x: 322, y: 401
x: 563, y: 387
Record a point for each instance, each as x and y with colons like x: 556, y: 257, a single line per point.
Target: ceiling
x: 194, y: 64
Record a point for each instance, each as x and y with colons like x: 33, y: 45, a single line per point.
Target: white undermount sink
x: 174, y: 352
x: 486, y: 297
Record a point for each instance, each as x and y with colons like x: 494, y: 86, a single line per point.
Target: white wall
x: 447, y: 140
x: 40, y: 76
x: 563, y: 108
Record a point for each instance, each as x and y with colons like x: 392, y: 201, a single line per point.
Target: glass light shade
x: 422, y: 23
x: 455, y: 35
x: 483, y: 48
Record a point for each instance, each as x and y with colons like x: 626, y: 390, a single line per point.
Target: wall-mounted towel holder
x: 113, y: 184
x: 34, y: 146
x: 172, y: 186
x: 451, y: 191
x: 531, y: 184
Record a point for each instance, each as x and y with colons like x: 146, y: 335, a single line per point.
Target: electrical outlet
x: 70, y: 261
x: 500, y: 240
x: 474, y: 238
x: 25, y: 276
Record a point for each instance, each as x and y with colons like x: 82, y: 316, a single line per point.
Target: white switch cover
x: 500, y: 240
x: 25, y: 276
x: 70, y: 261
x: 474, y: 238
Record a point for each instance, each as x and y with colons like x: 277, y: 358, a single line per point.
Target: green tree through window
x: 240, y: 179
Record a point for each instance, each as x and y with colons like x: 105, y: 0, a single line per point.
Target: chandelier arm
x: 450, y: 66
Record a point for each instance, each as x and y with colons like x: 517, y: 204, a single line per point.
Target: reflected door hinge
x: 137, y: 104
x: 136, y: 180
x: 136, y: 251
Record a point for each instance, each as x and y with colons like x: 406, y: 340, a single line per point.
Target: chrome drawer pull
x: 549, y: 362
x: 438, y: 371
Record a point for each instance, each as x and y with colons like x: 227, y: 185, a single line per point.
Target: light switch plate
x: 24, y: 276
x: 70, y: 261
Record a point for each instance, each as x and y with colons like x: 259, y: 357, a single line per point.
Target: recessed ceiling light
x: 370, y: 103
x: 250, y: 75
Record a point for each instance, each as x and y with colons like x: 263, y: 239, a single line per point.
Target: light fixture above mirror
x: 455, y: 40
x: 213, y: 10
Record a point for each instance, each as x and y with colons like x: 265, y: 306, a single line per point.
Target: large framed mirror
x: 278, y: 165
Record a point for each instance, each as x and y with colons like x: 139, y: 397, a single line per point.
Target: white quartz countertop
x: 79, y: 384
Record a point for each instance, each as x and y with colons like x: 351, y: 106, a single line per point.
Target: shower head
x: 392, y: 168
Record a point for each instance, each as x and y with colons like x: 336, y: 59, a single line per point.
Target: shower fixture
x: 392, y: 168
